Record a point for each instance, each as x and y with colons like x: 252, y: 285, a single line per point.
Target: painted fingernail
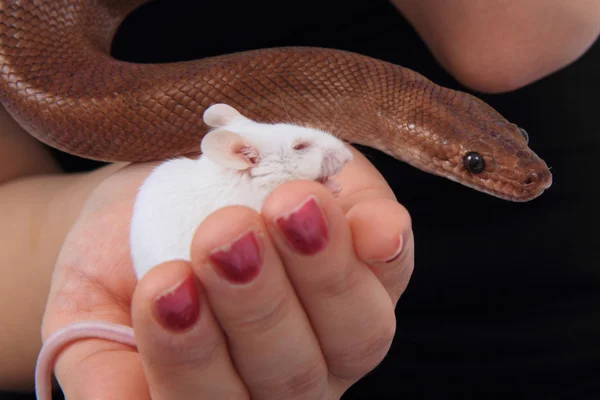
x: 305, y: 227
x: 393, y: 257
x: 179, y: 307
x: 240, y: 261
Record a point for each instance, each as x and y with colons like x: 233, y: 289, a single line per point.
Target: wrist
x: 69, y: 197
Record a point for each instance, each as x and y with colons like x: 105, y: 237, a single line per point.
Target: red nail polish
x: 179, y: 308
x: 305, y: 227
x: 240, y: 261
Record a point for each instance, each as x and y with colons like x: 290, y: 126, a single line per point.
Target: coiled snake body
x: 59, y: 82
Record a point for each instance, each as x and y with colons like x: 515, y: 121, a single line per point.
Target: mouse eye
x: 474, y: 162
x: 300, y: 145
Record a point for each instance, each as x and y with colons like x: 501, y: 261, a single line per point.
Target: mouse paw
x: 334, y: 187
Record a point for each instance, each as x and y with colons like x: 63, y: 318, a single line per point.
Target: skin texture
x: 499, y: 46
x: 134, y: 112
x: 39, y: 177
x: 503, y: 45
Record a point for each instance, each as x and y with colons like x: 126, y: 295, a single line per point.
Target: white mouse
x: 242, y: 162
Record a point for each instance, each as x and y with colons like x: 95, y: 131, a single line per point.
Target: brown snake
x: 59, y: 82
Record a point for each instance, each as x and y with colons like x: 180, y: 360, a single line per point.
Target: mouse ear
x: 229, y: 149
x: 220, y: 114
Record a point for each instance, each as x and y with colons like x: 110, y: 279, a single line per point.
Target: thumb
x: 361, y: 181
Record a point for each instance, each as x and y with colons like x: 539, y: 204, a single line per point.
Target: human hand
x: 303, y: 326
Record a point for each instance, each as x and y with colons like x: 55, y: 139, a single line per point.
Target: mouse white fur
x: 242, y: 162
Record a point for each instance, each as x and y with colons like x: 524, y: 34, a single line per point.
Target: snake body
x: 58, y: 80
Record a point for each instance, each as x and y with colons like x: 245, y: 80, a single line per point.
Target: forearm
x: 496, y: 46
x: 35, y: 213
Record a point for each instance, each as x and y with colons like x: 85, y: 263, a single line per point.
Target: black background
x: 505, y: 298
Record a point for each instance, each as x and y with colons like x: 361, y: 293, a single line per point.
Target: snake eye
x: 525, y: 135
x: 474, y: 162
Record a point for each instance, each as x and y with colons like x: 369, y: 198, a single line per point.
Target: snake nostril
x: 531, y: 178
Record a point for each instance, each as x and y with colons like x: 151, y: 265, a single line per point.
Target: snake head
x: 467, y: 141
x: 494, y: 157
x: 498, y: 161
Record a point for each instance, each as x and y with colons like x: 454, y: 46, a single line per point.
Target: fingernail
x: 305, y: 227
x: 240, y: 261
x: 393, y: 257
x: 179, y: 307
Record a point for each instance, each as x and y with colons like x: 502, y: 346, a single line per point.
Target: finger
x: 383, y: 238
x: 360, y: 180
x: 183, y: 350
x: 381, y: 227
x: 270, y: 338
x: 98, y: 368
x: 94, y: 368
x: 348, y: 306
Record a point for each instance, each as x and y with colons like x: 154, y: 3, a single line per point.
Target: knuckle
x: 308, y: 381
x: 262, y: 317
x: 182, y: 356
x: 355, y: 361
x: 338, y: 282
